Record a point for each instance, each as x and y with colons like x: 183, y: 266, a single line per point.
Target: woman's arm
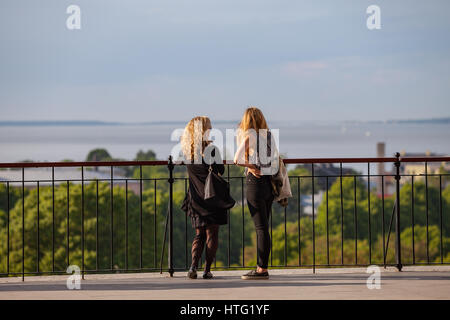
x: 241, y: 158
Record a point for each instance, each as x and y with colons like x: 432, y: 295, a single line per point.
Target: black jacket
x: 201, y: 211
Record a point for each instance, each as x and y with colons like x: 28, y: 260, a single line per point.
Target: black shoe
x: 207, y: 275
x: 192, y: 273
x: 253, y: 275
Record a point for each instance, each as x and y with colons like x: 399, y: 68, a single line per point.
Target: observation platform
x: 415, y: 282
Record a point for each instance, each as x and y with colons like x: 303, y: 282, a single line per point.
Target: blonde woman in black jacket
x: 205, y: 218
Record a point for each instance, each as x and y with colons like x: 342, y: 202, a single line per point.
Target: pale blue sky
x: 142, y: 60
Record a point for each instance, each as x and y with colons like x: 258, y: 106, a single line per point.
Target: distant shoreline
x: 53, y: 123
x: 445, y: 120
x: 89, y: 123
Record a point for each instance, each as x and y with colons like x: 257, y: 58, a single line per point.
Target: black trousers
x: 259, y: 200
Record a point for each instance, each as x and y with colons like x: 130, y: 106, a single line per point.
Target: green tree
x: 145, y: 155
x: 98, y: 155
x: 59, y: 226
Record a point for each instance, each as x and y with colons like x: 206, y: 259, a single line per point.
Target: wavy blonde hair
x: 253, y: 118
x: 194, y: 135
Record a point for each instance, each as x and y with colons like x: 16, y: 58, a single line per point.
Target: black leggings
x: 259, y: 200
x: 210, y: 235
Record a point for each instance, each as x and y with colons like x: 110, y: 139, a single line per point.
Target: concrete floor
x: 349, y: 283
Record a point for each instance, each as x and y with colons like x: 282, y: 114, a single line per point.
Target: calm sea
x: 55, y: 143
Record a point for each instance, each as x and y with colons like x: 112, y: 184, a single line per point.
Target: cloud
x: 303, y: 68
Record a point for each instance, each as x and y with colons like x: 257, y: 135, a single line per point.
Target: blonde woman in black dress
x: 205, y: 218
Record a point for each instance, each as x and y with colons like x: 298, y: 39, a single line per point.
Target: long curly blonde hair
x: 193, y: 140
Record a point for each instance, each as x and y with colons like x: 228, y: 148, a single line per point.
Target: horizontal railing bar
x: 366, y: 160
x: 425, y: 159
x: 82, y: 164
x: 235, y: 177
x: 231, y: 177
x: 85, y: 271
x: 337, y: 160
x: 219, y: 268
x: 425, y: 175
x: 163, y: 162
x: 87, y: 180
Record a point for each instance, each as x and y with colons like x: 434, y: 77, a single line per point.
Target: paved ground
x: 412, y: 283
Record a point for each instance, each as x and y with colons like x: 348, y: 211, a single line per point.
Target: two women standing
x: 253, y: 136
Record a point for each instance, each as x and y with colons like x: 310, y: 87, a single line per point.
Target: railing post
x: 170, y: 166
x: 398, y: 253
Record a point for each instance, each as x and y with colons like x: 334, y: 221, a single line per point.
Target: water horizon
x: 297, y: 139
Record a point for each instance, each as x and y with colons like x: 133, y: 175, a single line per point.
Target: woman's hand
x: 254, y: 171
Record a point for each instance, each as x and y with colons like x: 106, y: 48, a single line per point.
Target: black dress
x: 201, y: 212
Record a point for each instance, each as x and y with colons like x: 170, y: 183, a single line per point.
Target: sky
x: 169, y: 60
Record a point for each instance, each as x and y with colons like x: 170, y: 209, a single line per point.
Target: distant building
x: 385, y: 180
x: 306, y: 203
x: 327, y: 170
x: 406, y: 168
x: 416, y: 168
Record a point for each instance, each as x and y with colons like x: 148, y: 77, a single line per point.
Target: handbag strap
x: 268, y: 142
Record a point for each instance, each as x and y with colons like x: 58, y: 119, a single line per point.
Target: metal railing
x: 123, y: 235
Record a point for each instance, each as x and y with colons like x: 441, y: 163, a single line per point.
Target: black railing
x: 106, y: 223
